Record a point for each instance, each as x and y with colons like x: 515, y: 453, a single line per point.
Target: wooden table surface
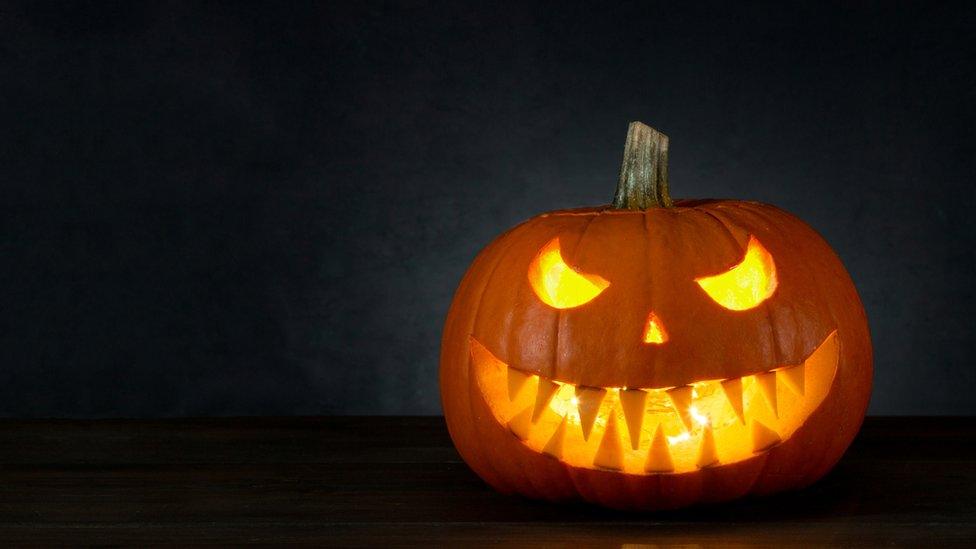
x: 389, y: 481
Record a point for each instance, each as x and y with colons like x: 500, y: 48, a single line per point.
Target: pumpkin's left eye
x: 559, y: 285
x: 747, y: 284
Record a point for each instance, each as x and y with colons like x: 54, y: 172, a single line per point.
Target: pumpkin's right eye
x: 745, y: 285
x: 559, y: 285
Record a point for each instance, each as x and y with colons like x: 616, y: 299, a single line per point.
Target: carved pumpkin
x: 652, y: 354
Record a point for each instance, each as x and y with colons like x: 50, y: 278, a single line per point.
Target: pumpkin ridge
x: 757, y: 210
x: 557, y: 357
x: 774, y: 325
x: 774, y: 329
x: 472, y: 382
x: 769, y: 318
x: 648, y: 276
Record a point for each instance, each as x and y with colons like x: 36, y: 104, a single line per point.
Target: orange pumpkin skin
x: 652, y: 257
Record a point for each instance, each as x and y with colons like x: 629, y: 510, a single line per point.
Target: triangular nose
x: 654, y: 331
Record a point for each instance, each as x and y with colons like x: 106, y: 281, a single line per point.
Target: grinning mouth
x: 643, y: 431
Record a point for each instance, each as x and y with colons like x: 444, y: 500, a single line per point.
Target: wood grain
x: 371, y: 481
x: 643, y: 181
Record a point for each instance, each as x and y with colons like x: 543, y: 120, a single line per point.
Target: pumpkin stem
x: 644, y: 174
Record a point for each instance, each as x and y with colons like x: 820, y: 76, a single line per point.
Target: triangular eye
x: 747, y: 284
x: 559, y: 285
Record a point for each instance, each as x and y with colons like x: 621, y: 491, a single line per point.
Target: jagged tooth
x: 481, y: 355
x: 610, y: 455
x: 767, y: 383
x: 763, y: 438
x: 521, y: 423
x: 589, y: 404
x: 825, y: 354
x: 733, y: 392
x: 632, y: 401
x: 793, y: 377
x: 681, y: 400
x: 547, y: 388
x: 555, y: 445
x: 707, y: 455
x: 659, y: 456
x: 516, y: 380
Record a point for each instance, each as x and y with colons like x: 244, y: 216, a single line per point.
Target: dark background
x: 229, y: 208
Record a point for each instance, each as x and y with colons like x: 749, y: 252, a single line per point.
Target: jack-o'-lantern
x: 654, y: 354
